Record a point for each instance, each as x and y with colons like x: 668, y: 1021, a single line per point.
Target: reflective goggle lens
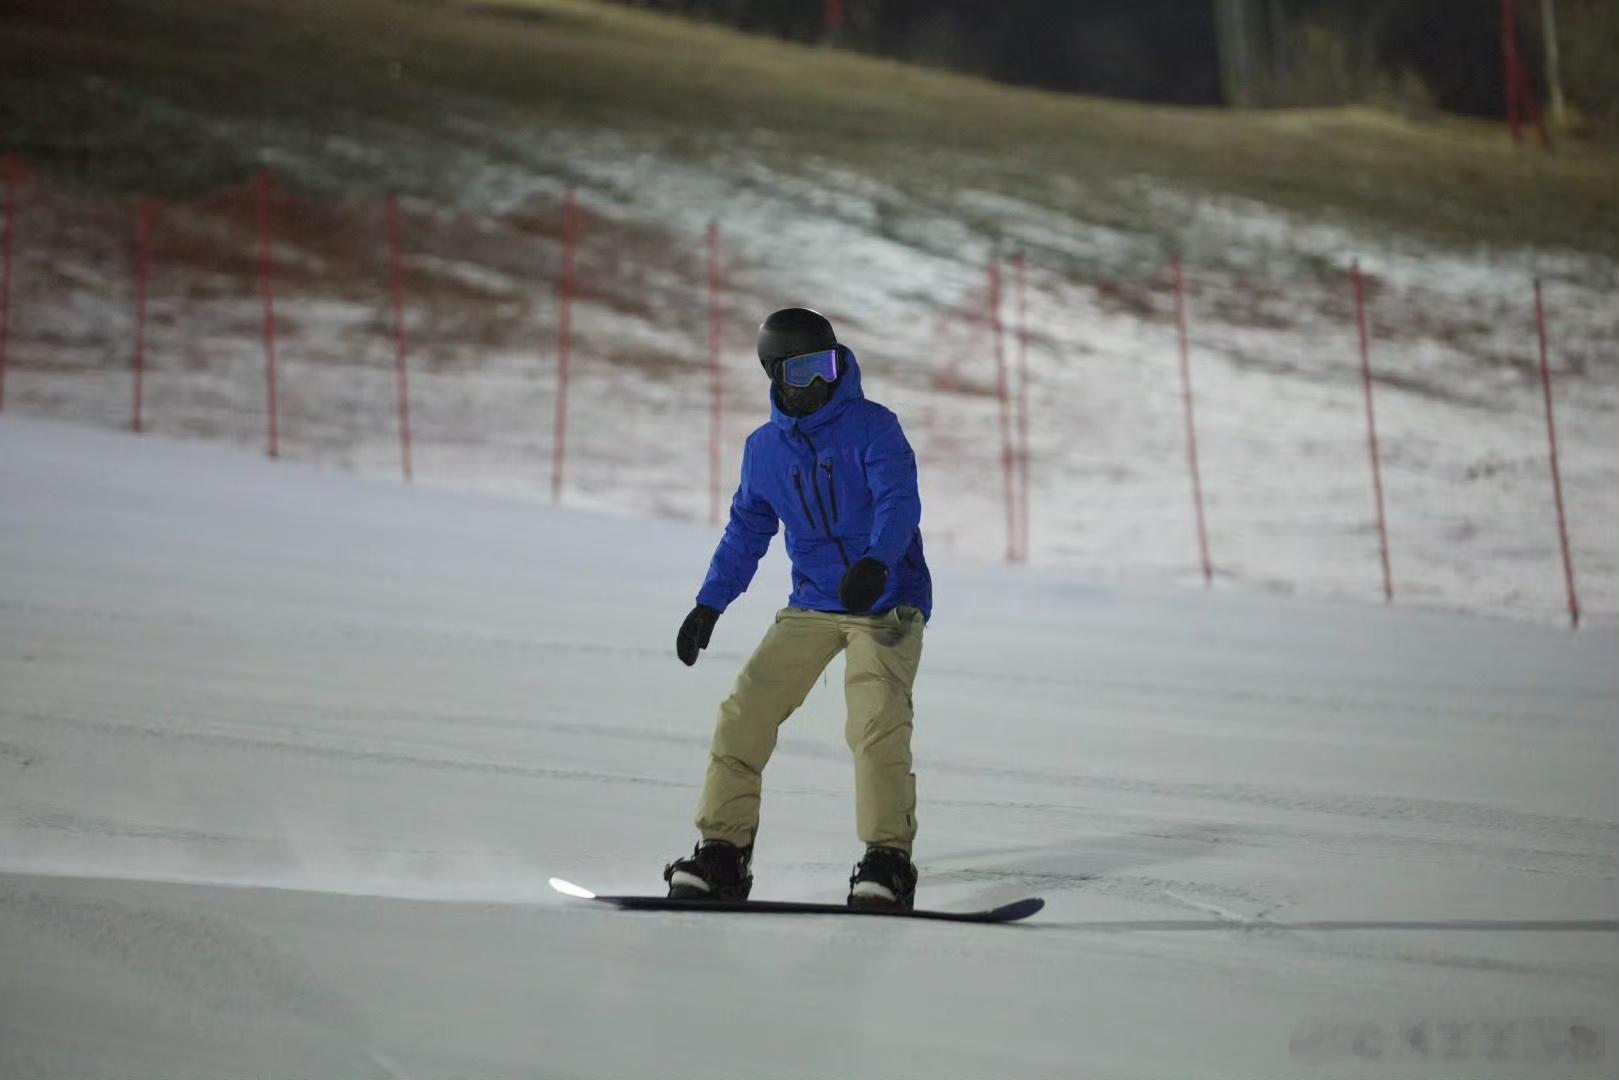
x: 800, y: 371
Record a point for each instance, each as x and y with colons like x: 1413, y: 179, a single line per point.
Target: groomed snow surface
x: 287, y: 757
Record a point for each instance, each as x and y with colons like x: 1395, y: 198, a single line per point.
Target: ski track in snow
x: 286, y: 758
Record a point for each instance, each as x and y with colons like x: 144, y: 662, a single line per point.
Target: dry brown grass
x: 315, y: 62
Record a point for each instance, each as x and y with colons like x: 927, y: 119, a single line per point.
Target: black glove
x: 694, y: 633
x: 864, y: 582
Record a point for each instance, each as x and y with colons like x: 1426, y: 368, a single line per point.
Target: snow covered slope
x: 286, y: 758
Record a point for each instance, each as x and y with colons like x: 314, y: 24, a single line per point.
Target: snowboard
x: 1005, y: 913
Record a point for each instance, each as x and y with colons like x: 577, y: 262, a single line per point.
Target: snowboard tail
x: 1018, y: 909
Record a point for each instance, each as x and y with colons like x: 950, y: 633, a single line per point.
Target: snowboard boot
x: 885, y: 878
x: 715, y: 870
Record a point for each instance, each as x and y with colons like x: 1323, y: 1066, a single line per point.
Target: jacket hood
x: 848, y: 390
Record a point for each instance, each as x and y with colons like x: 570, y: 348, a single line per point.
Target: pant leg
x: 772, y: 684
x: 884, y: 654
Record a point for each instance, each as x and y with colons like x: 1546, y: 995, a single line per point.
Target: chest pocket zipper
x: 825, y: 521
x: 798, y: 485
x: 831, y: 490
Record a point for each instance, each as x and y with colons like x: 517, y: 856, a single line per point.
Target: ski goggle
x: 799, y: 371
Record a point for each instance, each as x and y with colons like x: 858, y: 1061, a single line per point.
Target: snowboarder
x: 835, y: 468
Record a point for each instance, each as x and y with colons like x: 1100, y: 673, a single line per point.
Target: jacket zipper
x: 825, y: 521
x: 798, y: 484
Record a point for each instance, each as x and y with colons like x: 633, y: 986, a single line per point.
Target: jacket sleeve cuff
x: 710, y: 597
x: 889, y: 559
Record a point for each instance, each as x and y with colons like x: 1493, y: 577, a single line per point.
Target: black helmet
x: 792, y: 332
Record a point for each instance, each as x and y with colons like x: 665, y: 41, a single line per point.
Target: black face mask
x: 801, y: 401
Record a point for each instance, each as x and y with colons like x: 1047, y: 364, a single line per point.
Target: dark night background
x: 1435, y: 54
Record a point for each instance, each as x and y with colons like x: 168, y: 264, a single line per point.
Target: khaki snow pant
x: 883, y: 654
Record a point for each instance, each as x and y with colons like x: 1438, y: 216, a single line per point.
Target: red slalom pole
x: 570, y: 227
x: 1003, y: 392
x: 1557, y: 476
x: 715, y: 372
x: 1191, y: 424
x: 1371, y: 428
x: 832, y: 15
x: 1019, y: 266
x: 1511, y: 80
x: 9, y: 223
x: 267, y: 288
x: 401, y: 372
x: 143, y: 264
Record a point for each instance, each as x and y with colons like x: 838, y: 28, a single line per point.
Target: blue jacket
x: 843, y: 481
